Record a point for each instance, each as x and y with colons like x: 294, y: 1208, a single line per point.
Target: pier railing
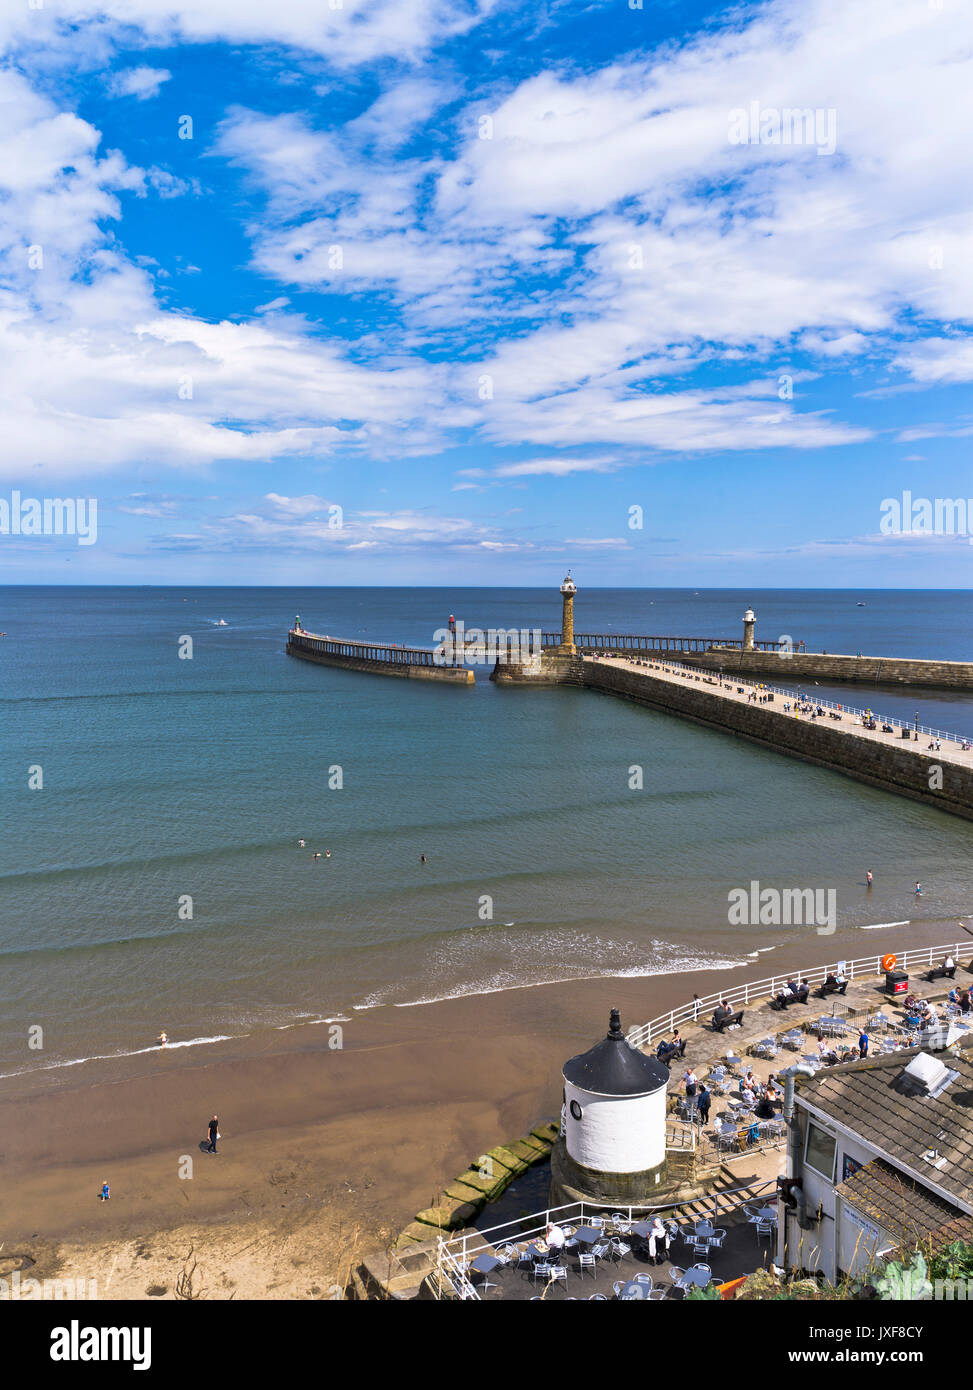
x: 742, y: 996
x: 632, y: 642
x: 361, y: 651
x: 804, y: 698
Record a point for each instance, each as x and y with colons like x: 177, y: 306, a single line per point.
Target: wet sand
x: 325, y: 1152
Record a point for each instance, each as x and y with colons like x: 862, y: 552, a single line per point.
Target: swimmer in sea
x: 316, y: 854
x: 868, y: 878
x: 300, y: 844
x: 163, y: 1039
x: 327, y: 854
x: 422, y: 859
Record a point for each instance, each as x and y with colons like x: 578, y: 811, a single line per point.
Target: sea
x: 154, y: 790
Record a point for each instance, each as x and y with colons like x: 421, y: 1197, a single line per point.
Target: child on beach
x: 105, y: 1192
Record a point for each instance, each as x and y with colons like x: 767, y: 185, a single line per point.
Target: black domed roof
x: 613, y: 1068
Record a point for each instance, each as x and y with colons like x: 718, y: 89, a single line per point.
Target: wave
x: 468, y: 991
x: 878, y: 926
x: 135, y: 1052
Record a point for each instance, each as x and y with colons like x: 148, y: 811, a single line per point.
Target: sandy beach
x: 325, y: 1152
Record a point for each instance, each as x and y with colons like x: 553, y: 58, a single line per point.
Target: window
x: 576, y: 1110
x: 849, y: 1165
x: 819, y: 1153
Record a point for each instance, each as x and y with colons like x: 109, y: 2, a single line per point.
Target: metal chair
x: 587, y: 1261
x: 558, y: 1275
x: 542, y: 1270
x: 597, y: 1298
x: 619, y: 1249
x: 600, y: 1250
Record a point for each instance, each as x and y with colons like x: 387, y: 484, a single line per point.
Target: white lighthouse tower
x: 613, y: 1149
x: 749, y: 618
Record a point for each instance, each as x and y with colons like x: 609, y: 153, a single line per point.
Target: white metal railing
x: 457, y: 1253
x: 453, y: 1270
x: 742, y: 995
x: 731, y: 678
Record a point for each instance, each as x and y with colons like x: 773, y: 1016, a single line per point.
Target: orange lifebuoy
x: 889, y: 962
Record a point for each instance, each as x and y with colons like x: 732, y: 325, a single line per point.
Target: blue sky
x: 485, y: 277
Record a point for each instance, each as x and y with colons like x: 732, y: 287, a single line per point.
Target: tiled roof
x: 897, y: 1204
x: 862, y: 1096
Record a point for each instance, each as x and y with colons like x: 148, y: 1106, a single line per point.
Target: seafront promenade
x: 801, y: 704
x: 928, y: 765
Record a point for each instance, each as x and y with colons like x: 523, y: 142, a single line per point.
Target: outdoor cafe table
x: 767, y: 1213
x: 693, y: 1278
x: 485, y: 1264
x: 588, y: 1235
x: 642, y: 1228
x: 703, y: 1228
x: 634, y: 1289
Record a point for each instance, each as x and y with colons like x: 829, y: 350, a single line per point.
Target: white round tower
x: 614, y: 1144
x: 749, y: 619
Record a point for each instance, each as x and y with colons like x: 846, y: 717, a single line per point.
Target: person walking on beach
x: 214, y: 1134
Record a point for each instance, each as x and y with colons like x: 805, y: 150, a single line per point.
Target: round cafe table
x: 634, y: 1290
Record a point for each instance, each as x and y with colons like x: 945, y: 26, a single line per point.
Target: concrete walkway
x: 949, y: 752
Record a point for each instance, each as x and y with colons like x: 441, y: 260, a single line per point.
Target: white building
x: 880, y: 1154
x: 613, y: 1149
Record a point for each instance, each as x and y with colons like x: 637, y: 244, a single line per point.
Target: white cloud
x: 141, y: 82
x: 938, y: 361
x: 555, y: 467
x: 357, y: 31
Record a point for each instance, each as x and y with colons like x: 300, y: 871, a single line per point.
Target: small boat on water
x: 221, y: 623
x: 859, y: 605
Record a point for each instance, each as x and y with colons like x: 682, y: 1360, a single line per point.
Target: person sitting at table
x: 765, y: 1107
x: 554, y: 1238
x: 964, y: 1001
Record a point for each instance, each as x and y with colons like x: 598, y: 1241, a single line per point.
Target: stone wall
x: 801, y: 666
x: 549, y: 667
x: 891, y: 766
x: 461, y: 675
